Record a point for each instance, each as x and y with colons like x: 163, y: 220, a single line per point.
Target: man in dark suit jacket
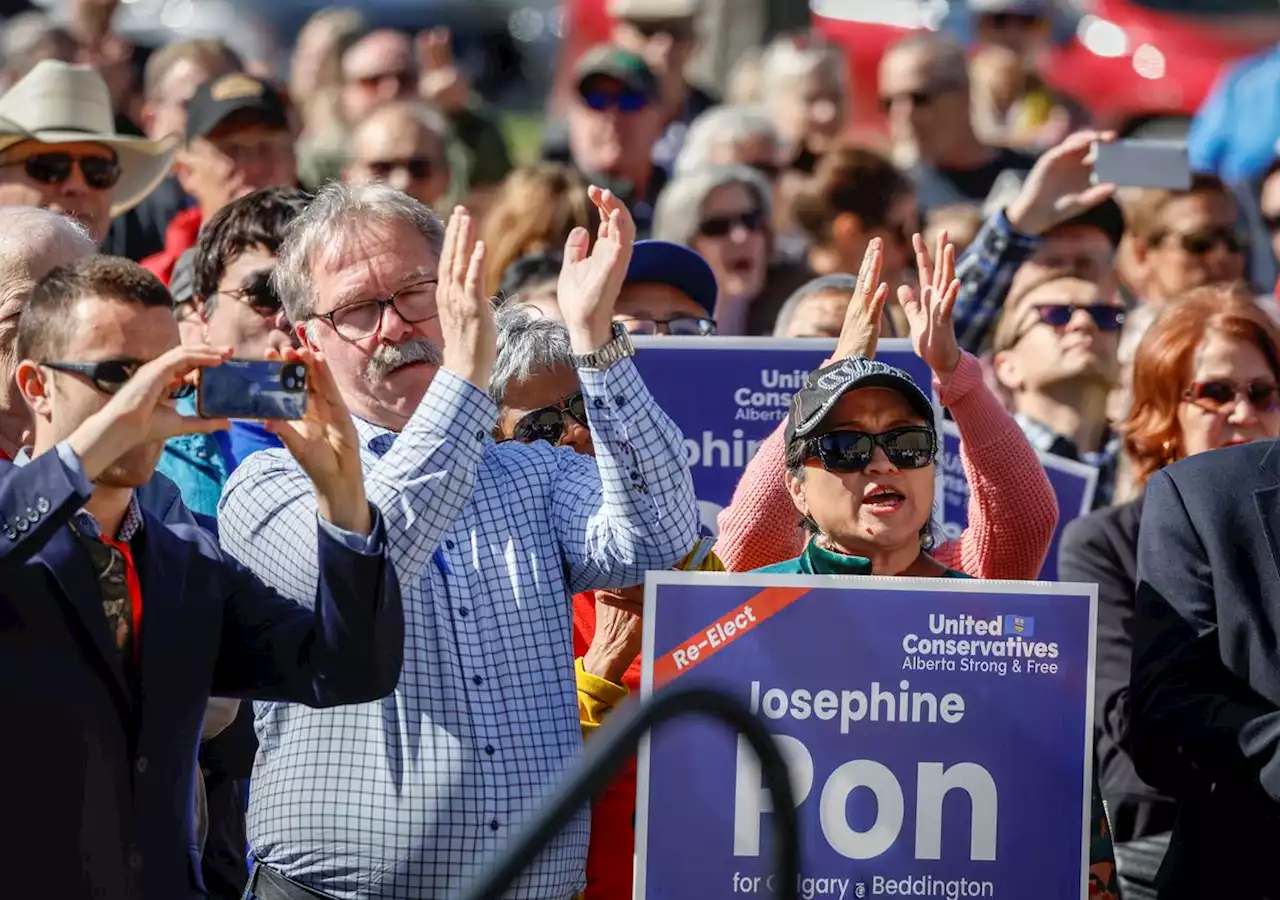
x: 1205, y: 698
x: 115, y: 628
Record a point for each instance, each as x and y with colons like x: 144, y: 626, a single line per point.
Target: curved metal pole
x: 614, y: 744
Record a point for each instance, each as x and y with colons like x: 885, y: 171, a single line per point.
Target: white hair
x: 678, y: 212
x: 527, y: 343
x: 29, y: 236
x: 336, y: 213
x: 425, y: 115
x: 785, y: 61
x: 720, y: 127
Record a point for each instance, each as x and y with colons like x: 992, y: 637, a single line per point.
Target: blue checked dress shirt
x: 985, y: 271
x: 408, y: 797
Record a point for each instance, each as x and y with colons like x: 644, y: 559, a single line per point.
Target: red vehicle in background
x: 1133, y: 64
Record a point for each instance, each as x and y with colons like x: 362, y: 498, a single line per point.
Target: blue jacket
x: 93, y: 770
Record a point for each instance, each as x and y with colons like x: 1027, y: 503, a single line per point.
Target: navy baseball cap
x: 824, y: 388
x: 662, y: 262
x: 219, y: 98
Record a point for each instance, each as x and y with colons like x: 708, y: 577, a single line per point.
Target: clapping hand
x: 619, y: 633
x: 466, y: 316
x: 590, y: 282
x: 325, y: 444
x: 860, y: 333
x: 442, y: 83
x: 933, y: 333
x: 1057, y: 188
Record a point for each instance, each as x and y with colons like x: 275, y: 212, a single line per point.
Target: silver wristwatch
x: 618, y: 348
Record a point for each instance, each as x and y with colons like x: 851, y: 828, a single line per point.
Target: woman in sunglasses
x: 1204, y: 377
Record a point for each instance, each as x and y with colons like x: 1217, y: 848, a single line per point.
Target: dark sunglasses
x: 110, y: 375
x: 258, y: 295
x: 1003, y: 20
x: 676, y: 29
x: 416, y: 166
x: 921, y: 98
x: 1198, y: 243
x: 678, y: 326
x: 1220, y: 396
x: 1271, y: 222
x: 719, y: 226
x: 626, y: 101
x: 547, y: 424
x: 910, y: 447
x: 1107, y: 318
x: 100, y: 172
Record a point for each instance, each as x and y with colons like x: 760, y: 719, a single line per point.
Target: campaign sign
x: 1073, y: 483
x: 728, y: 394
x: 938, y: 734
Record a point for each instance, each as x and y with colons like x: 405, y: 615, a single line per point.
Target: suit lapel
x: 70, y: 566
x: 1267, y: 502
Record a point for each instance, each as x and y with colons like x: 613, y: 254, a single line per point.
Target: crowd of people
x: 391, y: 579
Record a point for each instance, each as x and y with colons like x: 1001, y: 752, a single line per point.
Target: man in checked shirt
x: 409, y: 797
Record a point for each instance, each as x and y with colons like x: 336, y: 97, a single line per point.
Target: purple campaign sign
x: 1073, y: 483
x: 938, y: 733
x: 729, y: 394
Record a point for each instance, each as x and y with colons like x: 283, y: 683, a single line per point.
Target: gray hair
x: 827, y: 284
x: 719, y: 127
x: 678, y: 211
x: 527, y: 343
x: 428, y: 117
x: 785, y: 62
x: 28, y: 233
x: 949, y: 63
x: 336, y: 213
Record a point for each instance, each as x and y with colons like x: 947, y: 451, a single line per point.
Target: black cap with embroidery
x: 824, y: 388
x: 221, y: 97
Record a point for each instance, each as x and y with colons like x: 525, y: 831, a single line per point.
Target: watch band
x: 620, y: 347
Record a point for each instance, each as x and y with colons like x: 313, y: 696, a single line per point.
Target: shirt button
x: 479, y: 435
x: 620, y: 402
x: 489, y: 748
x: 493, y: 826
x: 32, y: 515
x: 448, y: 545
x: 42, y: 504
x: 141, y: 765
x: 476, y: 679
x: 598, y: 403
x: 20, y: 523
x: 462, y: 611
x: 135, y: 860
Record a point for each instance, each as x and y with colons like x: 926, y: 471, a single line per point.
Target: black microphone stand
x: 614, y: 744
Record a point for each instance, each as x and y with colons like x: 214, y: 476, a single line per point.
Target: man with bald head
x: 924, y: 91
x: 32, y: 242
x: 403, y: 144
x: 376, y: 69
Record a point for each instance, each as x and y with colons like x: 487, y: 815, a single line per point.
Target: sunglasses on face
x: 720, y: 226
x: 624, y: 101
x: 910, y: 447
x: 678, y: 30
x: 1106, y: 318
x: 676, y: 326
x: 1003, y: 20
x: 110, y: 375
x: 417, y: 166
x: 548, y: 424
x: 1221, y: 395
x: 1198, y: 243
x: 1271, y: 221
x: 99, y: 172
x: 258, y: 295
x: 916, y: 99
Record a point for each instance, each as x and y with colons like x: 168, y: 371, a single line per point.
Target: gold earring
x: 1170, y: 452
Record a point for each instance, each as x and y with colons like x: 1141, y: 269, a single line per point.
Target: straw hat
x: 58, y: 103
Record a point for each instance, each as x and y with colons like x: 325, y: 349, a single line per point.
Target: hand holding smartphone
x: 253, y: 389
x: 1142, y: 164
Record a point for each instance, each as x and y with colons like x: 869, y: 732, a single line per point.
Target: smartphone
x: 1142, y: 164
x: 252, y: 389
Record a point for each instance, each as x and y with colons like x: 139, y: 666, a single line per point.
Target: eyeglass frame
x: 382, y: 312
x: 89, y: 372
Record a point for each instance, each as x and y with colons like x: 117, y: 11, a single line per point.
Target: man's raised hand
x: 590, y: 282
x: 466, y: 316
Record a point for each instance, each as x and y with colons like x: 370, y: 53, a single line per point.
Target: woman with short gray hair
x: 729, y: 135
x: 723, y: 214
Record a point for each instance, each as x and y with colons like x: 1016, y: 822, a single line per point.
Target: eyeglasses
x: 417, y: 166
x: 919, y: 98
x: 100, y: 172
x: 676, y: 326
x: 720, y: 226
x: 110, y: 375
x: 679, y: 30
x: 1271, y: 222
x: 910, y: 447
x: 1198, y: 243
x: 548, y: 424
x: 1221, y: 395
x: 625, y: 101
x: 356, y: 321
x: 258, y: 295
x: 1105, y: 317
x: 1003, y: 20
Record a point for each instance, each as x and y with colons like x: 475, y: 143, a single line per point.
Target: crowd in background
x: 1114, y: 326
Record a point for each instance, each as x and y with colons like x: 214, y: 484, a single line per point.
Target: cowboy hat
x: 58, y: 103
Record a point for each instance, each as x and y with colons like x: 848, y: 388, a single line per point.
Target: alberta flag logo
x: 1020, y: 625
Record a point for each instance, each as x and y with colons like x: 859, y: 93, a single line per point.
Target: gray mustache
x: 389, y: 357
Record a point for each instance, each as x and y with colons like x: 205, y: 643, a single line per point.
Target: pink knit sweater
x: 1012, y: 508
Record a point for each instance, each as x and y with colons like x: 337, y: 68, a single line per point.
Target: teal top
x: 817, y: 560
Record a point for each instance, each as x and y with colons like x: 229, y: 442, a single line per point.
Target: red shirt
x: 613, y: 814
x: 179, y: 237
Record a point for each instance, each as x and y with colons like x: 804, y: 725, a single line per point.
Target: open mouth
x: 883, y: 500
x: 740, y: 266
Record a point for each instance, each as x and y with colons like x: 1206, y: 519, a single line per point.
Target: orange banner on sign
x: 723, y: 632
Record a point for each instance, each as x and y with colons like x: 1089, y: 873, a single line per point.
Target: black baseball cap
x: 824, y: 388
x: 219, y: 98
x: 608, y: 61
